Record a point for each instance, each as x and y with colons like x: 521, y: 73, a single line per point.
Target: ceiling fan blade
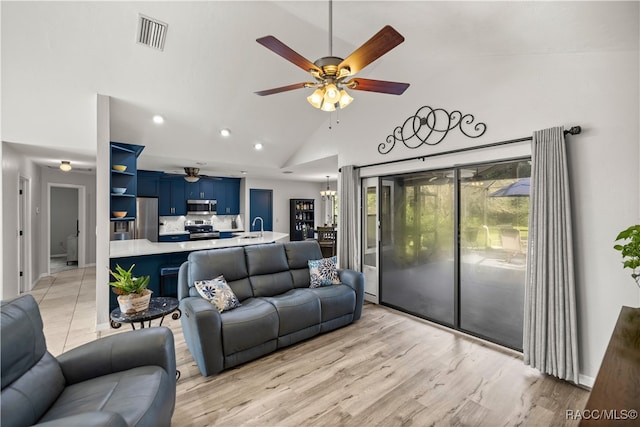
x: 382, y: 42
x: 381, y: 86
x: 287, y: 53
x: 282, y: 89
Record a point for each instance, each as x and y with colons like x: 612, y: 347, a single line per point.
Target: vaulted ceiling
x: 56, y: 56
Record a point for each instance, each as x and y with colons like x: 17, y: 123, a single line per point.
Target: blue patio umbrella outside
x: 519, y: 188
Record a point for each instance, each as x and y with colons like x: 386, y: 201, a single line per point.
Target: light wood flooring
x: 387, y: 369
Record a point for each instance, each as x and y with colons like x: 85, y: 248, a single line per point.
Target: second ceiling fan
x: 333, y: 74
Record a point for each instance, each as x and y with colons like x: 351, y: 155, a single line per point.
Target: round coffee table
x: 158, y: 308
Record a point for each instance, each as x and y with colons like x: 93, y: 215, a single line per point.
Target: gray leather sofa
x: 278, y: 307
x: 128, y: 379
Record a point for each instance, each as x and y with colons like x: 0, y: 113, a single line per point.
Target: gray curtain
x: 349, y: 194
x: 550, y: 330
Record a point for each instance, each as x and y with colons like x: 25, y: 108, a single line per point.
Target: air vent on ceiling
x: 152, y: 32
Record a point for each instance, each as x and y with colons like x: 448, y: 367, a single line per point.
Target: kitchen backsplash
x: 169, y: 224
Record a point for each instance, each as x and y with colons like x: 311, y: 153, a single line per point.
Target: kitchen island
x: 150, y: 257
x: 137, y: 247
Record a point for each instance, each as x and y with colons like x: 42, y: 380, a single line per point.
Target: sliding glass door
x: 494, y: 218
x: 453, y: 247
x: 417, y: 256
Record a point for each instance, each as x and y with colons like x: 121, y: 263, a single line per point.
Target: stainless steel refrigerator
x: 147, y: 218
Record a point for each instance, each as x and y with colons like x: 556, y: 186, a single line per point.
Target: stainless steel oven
x: 201, y: 207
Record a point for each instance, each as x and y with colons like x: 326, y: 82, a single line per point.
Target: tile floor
x: 59, y: 263
x: 67, y: 303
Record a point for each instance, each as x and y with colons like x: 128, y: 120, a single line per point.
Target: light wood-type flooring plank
x: 387, y: 369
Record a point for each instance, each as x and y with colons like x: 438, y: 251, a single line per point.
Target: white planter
x: 134, y: 303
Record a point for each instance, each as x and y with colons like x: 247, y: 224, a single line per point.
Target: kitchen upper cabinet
x: 192, y: 190
x: 227, y: 194
x: 172, y: 198
x: 148, y: 183
x: 232, y: 189
x: 200, y: 190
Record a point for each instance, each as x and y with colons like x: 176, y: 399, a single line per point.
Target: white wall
x: 14, y: 166
x: 282, y: 192
x: 515, y: 95
x: 64, y: 214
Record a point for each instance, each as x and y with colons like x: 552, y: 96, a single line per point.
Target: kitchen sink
x: 251, y: 236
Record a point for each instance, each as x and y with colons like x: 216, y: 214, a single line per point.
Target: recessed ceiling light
x: 201, y: 163
x: 157, y: 119
x: 243, y: 172
x: 258, y: 146
x: 225, y: 132
x: 287, y: 172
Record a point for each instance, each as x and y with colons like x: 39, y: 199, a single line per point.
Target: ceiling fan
x: 333, y: 74
x: 194, y: 175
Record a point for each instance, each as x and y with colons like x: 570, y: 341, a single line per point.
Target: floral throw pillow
x: 218, y: 293
x: 323, y: 272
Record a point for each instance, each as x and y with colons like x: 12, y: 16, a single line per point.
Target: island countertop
x: 139, y: 247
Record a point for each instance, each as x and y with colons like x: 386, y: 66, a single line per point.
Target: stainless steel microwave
x: 201, y: 207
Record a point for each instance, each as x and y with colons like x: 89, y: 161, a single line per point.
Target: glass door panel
x: 417, y: 257
x: 494, y: 215
x: 370, y: 238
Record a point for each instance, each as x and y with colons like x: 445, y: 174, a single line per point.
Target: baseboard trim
x: 586, y: 381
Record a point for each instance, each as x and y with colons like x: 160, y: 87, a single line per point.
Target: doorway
x: 66, y: 243
x: 261, y: 205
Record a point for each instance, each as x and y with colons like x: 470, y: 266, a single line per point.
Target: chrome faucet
x: 253, y: 224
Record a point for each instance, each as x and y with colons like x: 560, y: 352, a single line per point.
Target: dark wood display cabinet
x: 301, y: 219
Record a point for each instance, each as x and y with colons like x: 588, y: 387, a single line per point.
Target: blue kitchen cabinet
x: 148, y: 183
x: 174, y: 238
x: 172, y: 198
x: 200, y: 190
x: 149, y: 265
x: 228, y: 196
x: 233, y: 195
x: 192, y: 190
x: 206, y: 188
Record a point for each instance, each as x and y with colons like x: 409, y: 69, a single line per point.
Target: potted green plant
x: 630, y: 250
x: 133, y: 295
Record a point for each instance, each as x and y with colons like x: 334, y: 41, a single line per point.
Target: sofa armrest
x: 202, y: 329
x: 355, y: 280
x: 115, y: 353
x: 88, y: 419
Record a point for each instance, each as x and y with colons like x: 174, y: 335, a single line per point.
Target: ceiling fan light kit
x: 332, y: 73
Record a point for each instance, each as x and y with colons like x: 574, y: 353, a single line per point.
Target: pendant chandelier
x: 328, y: 192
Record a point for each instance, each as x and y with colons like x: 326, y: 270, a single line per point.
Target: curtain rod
x: 574, y: 130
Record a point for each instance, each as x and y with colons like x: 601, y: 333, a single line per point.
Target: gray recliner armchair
x: 128, y: 379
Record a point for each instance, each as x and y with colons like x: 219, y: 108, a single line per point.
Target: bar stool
x: 167, y: 271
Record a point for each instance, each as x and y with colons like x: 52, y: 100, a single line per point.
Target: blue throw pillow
x: 218, y: 293
x: 323, y: 272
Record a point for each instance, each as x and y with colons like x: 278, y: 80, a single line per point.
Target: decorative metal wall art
x: 429, y: 126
